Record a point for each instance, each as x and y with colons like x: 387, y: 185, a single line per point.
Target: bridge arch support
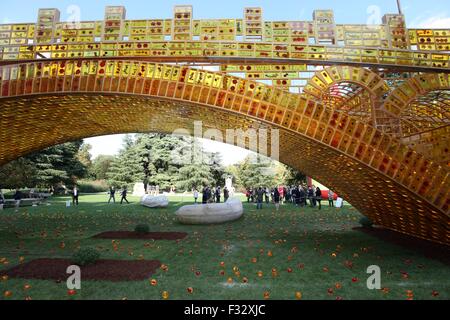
x: 45, y: 103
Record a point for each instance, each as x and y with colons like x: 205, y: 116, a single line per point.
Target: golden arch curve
x: 335, y: 86
x: 324, y: 79
x: 45, y: 103
x: 411, y: 89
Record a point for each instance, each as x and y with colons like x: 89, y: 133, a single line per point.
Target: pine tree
x: 125, y: 170
x: 255, y: 171
x: 58, y: 164
x: 46, y: 168
x: 194, y: 176
x: 100, y: 167
x: 165, y: 161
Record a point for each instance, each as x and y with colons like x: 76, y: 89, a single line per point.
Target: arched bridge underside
x: 42, y: 104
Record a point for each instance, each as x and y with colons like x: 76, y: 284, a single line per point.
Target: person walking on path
x: 124, y: 195
x: 330, y: 198
x: 319, y: 197
x: 195, y: 196
x: 276, y: 198
x: 75, y: 196
x: 112, y: 195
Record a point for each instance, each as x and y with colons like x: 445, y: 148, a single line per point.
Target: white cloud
x: 439, y: 21
x: 5, y: 21
x: 105, y: 145
x: 230, y: 154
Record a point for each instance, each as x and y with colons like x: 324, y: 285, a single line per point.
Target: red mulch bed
x: 141, y: 236
x: 429, y: 249
x: 106, y: 270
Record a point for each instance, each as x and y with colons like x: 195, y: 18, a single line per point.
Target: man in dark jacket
x: 301, y: 196
x: 259, y: 197
x: 18, y: 195
x: 204, y: 195
x: 124, y: 195
x: 311, y: 196
x: 218, y: 194
x: 75, y: 196
x: 319, y: 197
x: 276, y: 198
x: 112, y: 195
x: 209, y: 195
x: 226, y: 194
x: 18, y: 198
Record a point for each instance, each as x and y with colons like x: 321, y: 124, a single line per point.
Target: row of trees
x: 60, y: 164
x: 154, y: 159
x: 174, y: 161
x: 164, y: 160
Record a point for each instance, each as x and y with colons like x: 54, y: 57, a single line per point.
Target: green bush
x: 85, y: 256
x: 89, y: 186
x: 142, y: 228
x: 366, y: 222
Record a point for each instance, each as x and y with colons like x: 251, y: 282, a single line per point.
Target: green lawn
x: 316, y: 245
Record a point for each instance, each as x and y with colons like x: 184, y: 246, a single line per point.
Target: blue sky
x: 349, y: 11
x: 419, y: 13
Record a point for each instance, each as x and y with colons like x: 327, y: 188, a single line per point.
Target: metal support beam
x: 399, y: 7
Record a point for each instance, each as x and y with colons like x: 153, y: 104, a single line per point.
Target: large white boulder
x: 155, y: 201
x: 211, y: 213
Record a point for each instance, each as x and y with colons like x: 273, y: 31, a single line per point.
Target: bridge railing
x: 264, y: 52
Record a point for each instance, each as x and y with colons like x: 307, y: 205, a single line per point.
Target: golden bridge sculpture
x: 362, y: 108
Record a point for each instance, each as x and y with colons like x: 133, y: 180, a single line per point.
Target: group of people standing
x: 212, y: 195
x: 297, y: 195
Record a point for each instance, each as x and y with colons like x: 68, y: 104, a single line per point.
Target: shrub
x: 89, y: 186
x: 366, y: 222
x: 142, y: 228
x: 85, y: 256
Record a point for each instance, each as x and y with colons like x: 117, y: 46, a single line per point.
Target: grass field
x: 326, y: 258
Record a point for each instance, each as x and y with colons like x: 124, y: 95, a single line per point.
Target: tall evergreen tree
x: 58, y: 164
x: 100, y: 167
x: 160, y: 159
x: 194, y: 176
x: 294, y: 177
x: 18, y: 174
x: 84, y: 155
x: 216, y: 168
x: 126, y: 168
x: 46, y: 168
x: 254, y: 171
